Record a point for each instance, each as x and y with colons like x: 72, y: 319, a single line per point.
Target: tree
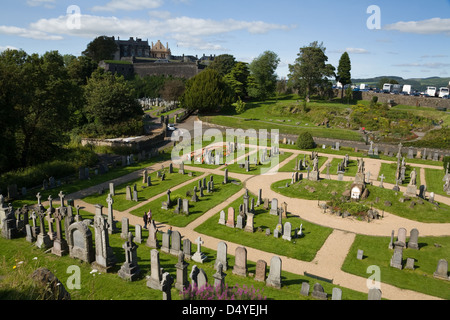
x: 101, y: 48
x: 310, y: 69
x: 110, y: 99
x: 305, y: 141
x: 343, y: 73
x: 223, y: 64
x: 206, y: 92
x: 237, y: 79
x: 173, y: 89
x: 264, y: 80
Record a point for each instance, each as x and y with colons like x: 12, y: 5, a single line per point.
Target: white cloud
x: 46, y: 3
x: 357, y: 51
x: 187, y: 32
x: 28, y: 33
x: 431, y: 26
x: 3, y: 48
x: 129, y: 5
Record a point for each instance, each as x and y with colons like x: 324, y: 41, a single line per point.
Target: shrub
x: 305, y: 141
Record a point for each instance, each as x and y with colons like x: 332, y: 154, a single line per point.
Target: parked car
x: 171, y: 127
x: 446, y: 97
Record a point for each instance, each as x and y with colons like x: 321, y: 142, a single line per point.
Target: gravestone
x: 202, y: 279
x: 240, y: 264
x: 274, y: 207
x: 130, y: 270
x: 274, y: 278
x: 219, y: 277
x: 240, y: 222
x: 79, y: 238
x: 230, y: 219
x: 187, y: 249
x: 154, y: 281
x: 261, y: 268
x: 391, y: 244
x: 186, y: 206
x: 125, y: 228
x: 199, y: 256
x: 360, y: 255
x: 222, y: 220
x: 165, y: 242
x: 287, y: 231
x: 152, y: 240
x: 175, y: 248
x: 401, y: 238
x: 318, y: 292
x: 442, y: 270
x: 397, y: 258
x: 182, y: 276
x: 43, y: 239
x: 409, y: 264
x: 138, y: 235
x: 414, y: 239
x: 374, y: 294
x: 60, y: 246
x: 337, y: 294
x: 250, y: 220
x: 105, y: 259
x: 128, y: 195
x: 304, y: 291
x: 221, y: 255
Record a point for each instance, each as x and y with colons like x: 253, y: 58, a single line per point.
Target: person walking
x: 145, y: 218
x: 149, y: 216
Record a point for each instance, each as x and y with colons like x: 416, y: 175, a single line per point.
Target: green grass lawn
x: 425, y: 212
x: 144, y: 192
x: 302, y: 249
x: 377, y: 253
x: 209, y: 201
x: 435, y: 181
x: 94, y: 180
x: 21, y: 258
x: 389, y: 170
x: 256, y: 169
x: 291, y: 165
x: 350, y: 171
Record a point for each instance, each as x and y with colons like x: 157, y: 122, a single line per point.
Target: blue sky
x: 413, y: 39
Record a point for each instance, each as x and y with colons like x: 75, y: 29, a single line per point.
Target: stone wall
x: 138, y: 144
x: 437, y: 103
x: 178, y: 70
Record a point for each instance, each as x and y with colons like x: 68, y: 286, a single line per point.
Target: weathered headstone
x: 287, y: 231
x: 154, y: 281
x: 182, y: 277
x: 104, y: 256
x: 401, y: 238
x: 199, y: 256
x: 130, y: 270
x: 397, y: 258
x: 414, y: 239
x: 337, y: 294
x: 274, y: 278
x: 152, y: 240
x: 222, y: 220
x: 125, y: 228
x: 230, y: 219
x: 79, y: 238
x: 240, y: 264
x: 304, y: 291
x: 442, y: 270
x: 274, y: 207
x: 318, y: 292
x: 261, y: 269
x: 374, y: 294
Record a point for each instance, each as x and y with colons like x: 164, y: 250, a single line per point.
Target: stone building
x: 131, y: 48
x: 159, y: 51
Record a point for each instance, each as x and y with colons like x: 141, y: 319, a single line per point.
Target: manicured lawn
x: 209, y: 201
x: 435, y: 181
x: 256, y: 169
x: 290, y: 167
x: 425, y: 212
x: 144, y: 192
x: 302, y: 249
x: 94, y: 180
x: 350, y: 171
x: 377, y: 253
x: 20, y: 259
x: 389, y: 170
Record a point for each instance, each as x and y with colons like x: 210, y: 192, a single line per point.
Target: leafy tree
x: 264, y: 80
x: 207, y: 92
x: 240, y: 106
x: 101, y: 48
x: 173, y: 89
x: 110, y: 100
x: 237, y: 79
x: 305, y: 141
x: 223, y: 64
x: 148, y: 86
x: 310, y: 69
x: 344, y: 72
x: 81, y: 68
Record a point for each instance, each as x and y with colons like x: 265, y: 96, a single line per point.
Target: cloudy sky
x: 402, y: 38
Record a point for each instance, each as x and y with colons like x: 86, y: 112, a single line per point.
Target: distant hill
x: 419, y: 84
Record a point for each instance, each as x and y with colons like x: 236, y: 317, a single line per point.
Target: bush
x: 305, y: 141
x: 446, y: 162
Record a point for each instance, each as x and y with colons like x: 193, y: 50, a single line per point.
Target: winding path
x: 329, y: 258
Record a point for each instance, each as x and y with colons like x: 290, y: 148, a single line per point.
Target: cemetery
x: 216, y: 225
